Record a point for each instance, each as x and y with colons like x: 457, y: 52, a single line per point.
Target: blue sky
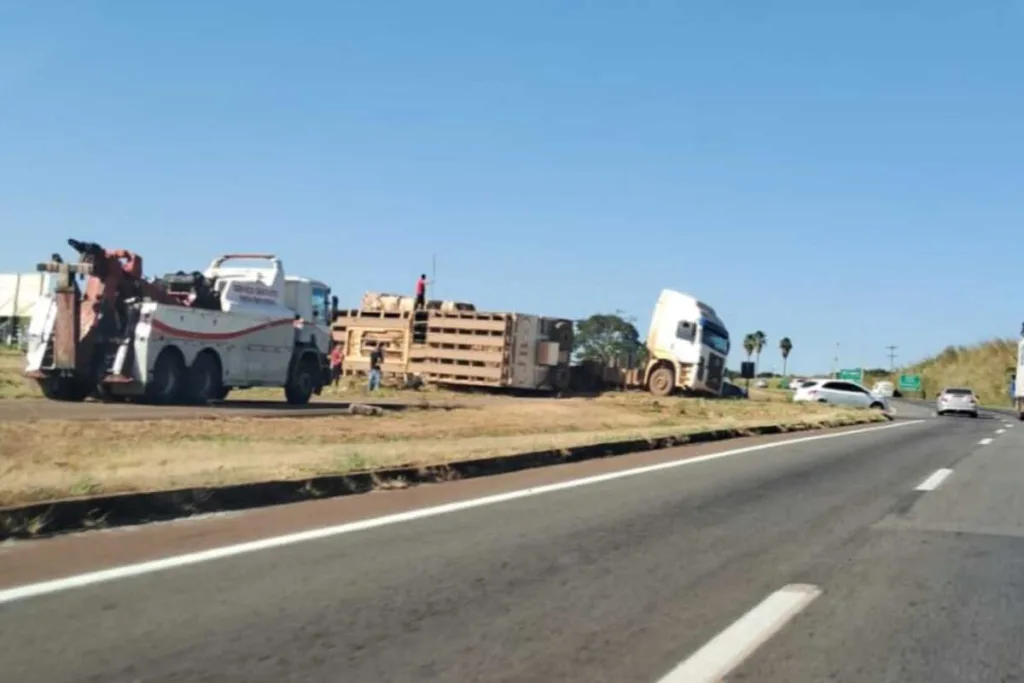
x: 834, y: 172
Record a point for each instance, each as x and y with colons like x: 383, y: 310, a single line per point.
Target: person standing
x: 376, y: 363
x: 335, y: 365
x: 421, y: 293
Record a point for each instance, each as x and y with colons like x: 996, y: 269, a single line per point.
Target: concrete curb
x: 79, y: 514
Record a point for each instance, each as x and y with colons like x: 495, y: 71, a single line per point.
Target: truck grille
x: 715, y: 372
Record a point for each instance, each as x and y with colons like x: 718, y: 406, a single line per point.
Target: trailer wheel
x: 303, y: 381
x: 166, y: 387
x: 203, y: 382
x: 662, y: 381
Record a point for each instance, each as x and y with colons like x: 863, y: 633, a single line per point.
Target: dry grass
x: 12, y: 384
x: 50, y: 459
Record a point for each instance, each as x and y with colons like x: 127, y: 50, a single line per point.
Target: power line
x: 892, y: 356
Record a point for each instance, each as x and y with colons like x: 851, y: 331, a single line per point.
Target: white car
x: 839, y: 392
x: 883, y: 389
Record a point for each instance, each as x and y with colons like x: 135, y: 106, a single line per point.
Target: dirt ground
x: 51, y: 459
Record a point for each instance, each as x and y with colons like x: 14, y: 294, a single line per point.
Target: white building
x: 18, y: 294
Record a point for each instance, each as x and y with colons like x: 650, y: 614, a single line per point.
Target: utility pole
x: 835, y: 361
x: 892, y: 357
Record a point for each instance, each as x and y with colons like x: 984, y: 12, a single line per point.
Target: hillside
x: 984, y: 367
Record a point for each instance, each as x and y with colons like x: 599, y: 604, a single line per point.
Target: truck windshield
x: 321, y: 306
x: 714, y: 338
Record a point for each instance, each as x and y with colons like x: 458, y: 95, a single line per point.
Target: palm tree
x: 785, y: 346
x: 750, y: 345
x: 759, y: 341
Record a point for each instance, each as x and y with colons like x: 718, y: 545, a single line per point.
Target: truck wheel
x: 203, y: 382
x: 166, y: 386
x: 64, y: 389
x: 662, y: 381
x: 303, y: 381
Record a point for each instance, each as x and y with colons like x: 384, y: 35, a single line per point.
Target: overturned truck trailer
x: 452, y: 343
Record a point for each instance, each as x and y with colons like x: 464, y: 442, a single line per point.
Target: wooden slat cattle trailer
x: 450, y: 344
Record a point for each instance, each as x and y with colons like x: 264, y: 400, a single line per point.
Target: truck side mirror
x: 334, y: 308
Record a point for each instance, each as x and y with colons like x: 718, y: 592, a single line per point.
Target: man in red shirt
x: 421, y: 293
x: 335, y: 358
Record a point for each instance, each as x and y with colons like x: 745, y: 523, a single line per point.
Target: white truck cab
x: 312, y: 301
x: 687, y: 344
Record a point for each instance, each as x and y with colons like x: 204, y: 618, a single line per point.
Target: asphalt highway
x: 890, y: 554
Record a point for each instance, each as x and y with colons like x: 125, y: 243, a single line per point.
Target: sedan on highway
x: 838, y: 392
x: 884, y: 389
x: 958, y: 401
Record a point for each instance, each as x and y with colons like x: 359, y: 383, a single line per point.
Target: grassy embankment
x: 983, y: 367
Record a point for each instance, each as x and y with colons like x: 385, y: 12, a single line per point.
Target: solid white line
x: 986, y: 441
x: 728, y: 649
x: 1000, y: 431
x: 126, y: 571
x: 934, y: 480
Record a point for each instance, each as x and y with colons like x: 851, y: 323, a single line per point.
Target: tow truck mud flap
x: 65, y: 331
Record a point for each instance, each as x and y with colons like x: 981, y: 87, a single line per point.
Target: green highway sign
x: 851, y: 375
x: 909, y: 383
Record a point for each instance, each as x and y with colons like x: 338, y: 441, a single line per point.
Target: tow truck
x: 187, y: 338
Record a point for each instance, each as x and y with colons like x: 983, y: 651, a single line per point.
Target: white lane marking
x: 934, y: 480
x: 175, y: 561
x: 1000, y: 431
x: 728, y: 649
x: 986, y: 441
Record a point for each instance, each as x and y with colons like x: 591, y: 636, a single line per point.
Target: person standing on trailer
x: 421, y: 293
x: 376, y: 362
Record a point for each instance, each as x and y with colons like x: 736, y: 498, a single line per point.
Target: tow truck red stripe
x: 216, y: 336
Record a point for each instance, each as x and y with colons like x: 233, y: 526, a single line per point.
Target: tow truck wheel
x: 166, y: 387
x: 301, y: 384
x: 203, y: 382
x: 64, y: 389
x: 661, y: 382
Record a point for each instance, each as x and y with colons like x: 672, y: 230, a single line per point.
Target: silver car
x: 957, y: 400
